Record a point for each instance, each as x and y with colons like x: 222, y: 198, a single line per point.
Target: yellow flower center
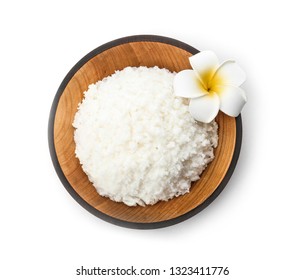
x: 209, y: 80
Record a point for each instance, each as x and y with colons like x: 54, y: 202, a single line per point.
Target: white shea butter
x: 136, y: 141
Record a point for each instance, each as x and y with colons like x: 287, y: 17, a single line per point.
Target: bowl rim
x: 70, y: 189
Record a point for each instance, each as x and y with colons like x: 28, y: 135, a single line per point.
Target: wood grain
x: 104, y: 64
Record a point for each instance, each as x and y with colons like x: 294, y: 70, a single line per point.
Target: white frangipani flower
x: 211, y: 87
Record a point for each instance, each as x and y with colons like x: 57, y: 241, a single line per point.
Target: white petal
x: 229, y: 73
x: 204, y: 64
x: 187, y: 85
x: 232, y: 99
x: 204, y: 109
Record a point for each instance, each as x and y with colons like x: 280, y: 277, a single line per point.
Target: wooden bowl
x: 145, y: 50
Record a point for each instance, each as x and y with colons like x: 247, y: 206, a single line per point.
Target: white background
x: 255, y: 227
